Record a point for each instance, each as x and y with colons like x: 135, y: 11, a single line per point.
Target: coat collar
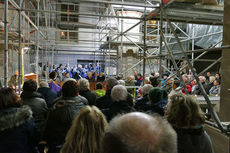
x: 14, y: 117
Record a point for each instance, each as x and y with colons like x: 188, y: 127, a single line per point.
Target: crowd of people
x: 158, y: 117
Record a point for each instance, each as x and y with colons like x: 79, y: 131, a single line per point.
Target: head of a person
x: 176, y: 84
x: 216, y: 83
x: 208, y: 74
x: 54, y: 66
x: 185, y: 78
x: 157, y: 94
x: 153, y: 81
x: 146, y: 88
x: 131, y: 78
x: 99, y: 85
x: 119, y: 93
x: 139, y: 133
x: 217, y: 76
x: 44, y: 84
x: 202, y: 79
x: 70, y: 89
x: 53, y: 75
x: 29, y: 86
x: 165, y: 76
x: 121, y: 82
x: 8, y: 98
x: 139, y: 76
x: 156, y: 74
x: 184, y: 111
x: 60, y: 65
x: 212, y: 79
x: 86, y: 132
x: 83, y: 84
x: 111, y: 82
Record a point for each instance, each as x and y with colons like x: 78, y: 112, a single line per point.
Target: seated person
x: 216, y: 88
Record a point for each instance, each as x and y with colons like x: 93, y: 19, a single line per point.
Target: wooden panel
x: 225, y: 67
x: 220, y: 141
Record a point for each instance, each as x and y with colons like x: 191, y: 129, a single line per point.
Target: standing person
x: 56, y: 88
x: 186, y: 117
x: 101, y: 77
x: 175, y: 88
x: 86, y: 132
x: 143, y: 104
x: 35, y: 101
x: 18, y: 132
x: 163, y: 82
x: 119, y: 96
x: 105, y: 101
x: 139, y: 133
x: 62, y: 114
x: 84, y: 91
x: 99, y: 91
x: 47, y: 93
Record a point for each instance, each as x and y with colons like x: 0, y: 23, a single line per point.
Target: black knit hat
x: 157, y: 94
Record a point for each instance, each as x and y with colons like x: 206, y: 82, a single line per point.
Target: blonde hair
x: 183, y: 111
x: 83, y: 84
x: 86, y: 132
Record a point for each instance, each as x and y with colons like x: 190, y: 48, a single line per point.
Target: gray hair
x: 111, y: 83
x: 139, y: 133
x: 121, y: 82
x: 69, y: 79
x: 44, y: 84
x: 119, y: 93
x: 83, y: 84
x: 146, y: 88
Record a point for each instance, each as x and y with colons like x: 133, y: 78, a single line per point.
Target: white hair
x: 83, y: 84
x: 119, y: 93
x: 69, y: 79
x: 121, y: 82
x: 139, y: 133
x: 44, y: 84
x: 146, y: 88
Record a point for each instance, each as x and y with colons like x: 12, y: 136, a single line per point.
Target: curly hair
x: 184, y: 111
x: 86, y: 132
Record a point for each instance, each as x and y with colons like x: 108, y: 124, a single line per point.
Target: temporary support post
x: 215, y: 116
x: 144, y: 55
x: 122, y: 45
x: 19, y: 48
x: 6, y: 45
x: 37, y: 42
x: 161, y: 27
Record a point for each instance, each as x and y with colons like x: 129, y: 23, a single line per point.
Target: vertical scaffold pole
x: 6, y: 45
x: 37, y: 42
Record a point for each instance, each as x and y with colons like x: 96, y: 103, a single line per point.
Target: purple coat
x: 54, y: 87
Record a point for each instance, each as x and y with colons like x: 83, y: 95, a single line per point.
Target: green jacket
x: 99, y: 92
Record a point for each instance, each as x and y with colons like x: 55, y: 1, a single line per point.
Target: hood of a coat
x: 26, y: 94
x: 14, y: 117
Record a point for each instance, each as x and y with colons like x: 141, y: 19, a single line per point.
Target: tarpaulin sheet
x: 225, y: 67
x: 201, y: 30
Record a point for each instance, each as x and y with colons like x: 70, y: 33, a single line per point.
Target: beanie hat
x: 157, y: 94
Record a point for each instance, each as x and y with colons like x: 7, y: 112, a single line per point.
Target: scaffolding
x: 108, y: 40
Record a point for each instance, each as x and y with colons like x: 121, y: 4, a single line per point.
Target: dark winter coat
x: 105, y: 101
x: 198, y: 90
x: 194, y: 140
x: 90, y: 96
x: 48, y: 94
x: 38, y: 106
x: 18, y: 132
x: 60, y: 120
x: 117, y: 108
x: 158, y: 107
x: 142, y: 104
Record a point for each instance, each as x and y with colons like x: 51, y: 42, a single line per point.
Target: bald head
x: 139, y: 133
